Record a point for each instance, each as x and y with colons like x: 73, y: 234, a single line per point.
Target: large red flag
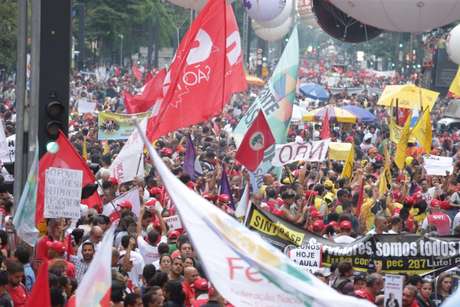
x: 258, y: 138
x: 40, y: 295
x: 153, y: 90
x: 137, y: 72
x: 325, y: 129
x: 207, y: 69
x: 67, y: 157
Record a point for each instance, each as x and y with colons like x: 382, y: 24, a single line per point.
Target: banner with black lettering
x: 292, y: 152
x: 403, y: 253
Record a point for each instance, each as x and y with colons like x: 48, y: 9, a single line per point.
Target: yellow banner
x: 339, y: 151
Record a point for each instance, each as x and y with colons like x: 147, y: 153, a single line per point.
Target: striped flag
x: 24, y: 217
x: 244, y: 268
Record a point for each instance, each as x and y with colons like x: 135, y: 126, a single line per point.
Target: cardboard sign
x: 63, y: 193
x: 291, y: 152
x: 393, y: 290
x: 173, y: 222
x: 438, y: 166
x: 85, y: 106
x: 307, y: 257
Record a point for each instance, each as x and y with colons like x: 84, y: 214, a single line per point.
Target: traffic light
x: 54, y: 70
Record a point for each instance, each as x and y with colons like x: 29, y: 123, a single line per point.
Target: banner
x: 114, y: 126
x: 307, y: 257
x: 438, y: 166
x: 129, y: 162
x: 132, y: 196
x: 276, y: 100
x: 292, y: 152
x: 63, y: 193
x: 404, y: 253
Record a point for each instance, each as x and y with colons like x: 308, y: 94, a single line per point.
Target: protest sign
x: 407, y: 253
x: 292, y: 152
x: 307, y: 256
x: 85, y: 106
x: 393, y: 290
x: 173, y: 222
x: 114, y: 126
x: 63, y: 193
x: 438, y: 166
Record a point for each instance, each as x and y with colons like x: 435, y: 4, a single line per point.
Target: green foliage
x: 8, y: 15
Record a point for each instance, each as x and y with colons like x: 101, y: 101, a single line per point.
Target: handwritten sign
x: 438, y: 166
x: 173, y: 222
x: 307, y: 257
x: 291, y: 152
x: 63, y: 193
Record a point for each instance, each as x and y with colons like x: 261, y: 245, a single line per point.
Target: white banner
x: 258, y: 273
x: 85, y: 106
x: 438, y: 166
x: 173, y: 222
x: 63, y: 192
x: 132, y: 196
x: 292, y: 152
x: 129, y: 163
x: 393, y: 290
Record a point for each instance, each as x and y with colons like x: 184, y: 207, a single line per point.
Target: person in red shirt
x: 374, y: 284
x: 201, y: 291
x: 56, y: 252
x: 190, y: 275
x: 54, y: 231
x: 437, y: 219
x: 15, y: 288
x: 408, y: 296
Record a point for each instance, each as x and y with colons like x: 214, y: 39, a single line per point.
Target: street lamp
x: 121, y: 49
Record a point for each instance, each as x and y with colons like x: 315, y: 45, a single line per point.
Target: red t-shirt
x: 441, y: 221
x: 18, y: 295
x: 363, y: 293
x: 41, y: 251
x: 189, y: 294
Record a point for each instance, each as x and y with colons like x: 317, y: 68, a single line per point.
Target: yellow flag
x: 455, y: 86
x: 105, y: 148
x: 401, y: 148
x: 395, y: 131
x: 84, y: 150
x: 387, y: 162
x: 348, y: 166
x: 423, y: 131
x: 383, y: 183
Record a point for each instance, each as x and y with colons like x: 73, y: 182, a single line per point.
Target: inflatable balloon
x: 402, y: 15
x: 341, y: 26
x: 264, y: 10
x: 273, y: 34
x: 453, y: 45
x: 280, y: 19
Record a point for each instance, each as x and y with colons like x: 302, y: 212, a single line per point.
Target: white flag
x: 129, y: 163
x: 97, y: 281
x: 243, y: 204
x: 244, y: 268
x: 132, y: 196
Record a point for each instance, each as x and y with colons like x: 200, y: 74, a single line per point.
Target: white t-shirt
x: 344, y: 239
x: 138, y: 266
x: 149, y: 252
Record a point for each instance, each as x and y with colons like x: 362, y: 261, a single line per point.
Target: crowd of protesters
x: 155, y: 266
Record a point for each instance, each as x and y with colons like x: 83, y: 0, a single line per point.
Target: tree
x: 8, y: 15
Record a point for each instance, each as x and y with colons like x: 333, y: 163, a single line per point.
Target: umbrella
x: 335, y: 114
x: 314, y: 91
x: 253, y: 80
x: 408, y: 96
x: 363, y: 115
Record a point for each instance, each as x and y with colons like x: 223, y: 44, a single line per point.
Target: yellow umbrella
x: 408, y: 96
x: 253, y: 80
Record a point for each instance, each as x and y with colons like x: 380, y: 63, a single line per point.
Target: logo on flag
x: 257, y: 141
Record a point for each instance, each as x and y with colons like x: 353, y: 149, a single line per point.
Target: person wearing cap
x: 344, y: 235
x: 223, y: 202
x: 56, y: 253
x: 437, y: 219
x: 173, y: 235
x: 54, y: 231
x: 201, y: 287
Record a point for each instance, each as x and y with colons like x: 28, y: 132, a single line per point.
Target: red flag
x: 207, y: 69
x: 137, y: 72
x: 258, y: 138
x: 40, y: 295
x: 67, y: 157
x: 148, y: 77
x: 360, y: 198
x: 325, y: 129
x: 153, y: 90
